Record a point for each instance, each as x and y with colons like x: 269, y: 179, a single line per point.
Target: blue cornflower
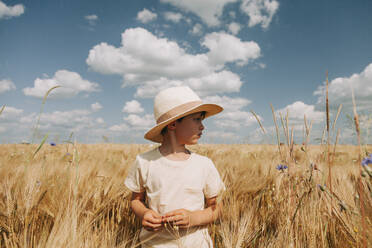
x: 367, y: 160
x: 53, y: 144
x: 281, y: 167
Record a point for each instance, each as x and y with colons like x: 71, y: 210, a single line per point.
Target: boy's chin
x: 193, y: 142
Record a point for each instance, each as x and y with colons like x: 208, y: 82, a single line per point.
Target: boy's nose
x: 201, y: 126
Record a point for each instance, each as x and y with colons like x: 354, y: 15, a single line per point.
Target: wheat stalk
x: 338, y: 113
x: 259, y: 122
x: 328, y: 137
x: 41, y: 111
x: 2, y: 109
x: 276, y: 129
x: 357, y: 128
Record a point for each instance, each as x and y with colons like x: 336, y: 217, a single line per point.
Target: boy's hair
x: 165, y: 129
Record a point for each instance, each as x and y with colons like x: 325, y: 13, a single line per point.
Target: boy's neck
x: 171, y: 149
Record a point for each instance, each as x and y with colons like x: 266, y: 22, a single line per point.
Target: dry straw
x: 307, y: 131
x: 276, y: 130
x: 337, y: 115
x: 259, y: 122
x: 2, y: 109
x: 361, y: 198
x: 88, y: 194
x: 41, y: 111
x: 328, y: 137
x: 81, y: 202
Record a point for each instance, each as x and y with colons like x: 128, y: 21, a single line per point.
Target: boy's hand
x: 151, y: 221
x: 180, y: 217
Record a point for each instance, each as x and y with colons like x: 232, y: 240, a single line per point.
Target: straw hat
x: 176, y: 102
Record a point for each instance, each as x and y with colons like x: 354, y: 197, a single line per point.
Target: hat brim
x: 154, y: 134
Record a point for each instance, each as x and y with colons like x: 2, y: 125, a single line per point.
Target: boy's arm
x: 138, y: 205
x: 151, y: 220
x: 185, y: 219
x: 208, y: 215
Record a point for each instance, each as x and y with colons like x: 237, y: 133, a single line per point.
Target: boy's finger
x: 181, y: 224
x: 155, y: 220
x: 152, y: 225
x: 156, y: 215
x: 169, y: 214
x: 174, y: 218
x: 157, y: 225
x: 172, y: 213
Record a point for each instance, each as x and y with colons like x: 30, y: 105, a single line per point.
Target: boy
x: 175, y: 182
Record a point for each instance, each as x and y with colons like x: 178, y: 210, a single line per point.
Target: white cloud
x: 208, y: 10
x: 79, y: 121
x: 262, y: 65
x: 100, y: 120
x: 92, y: 19
x: 119, y: 128
x: 71, y: 84
x: 235, y: 119
x: 233, y: 115
x: 297, y: 111
x: 173, y: 17
x: 150, y: 63
x: 210, y: 84
x: 232, y: 14
x: 339, y: 91
x: 151, y: 88
x: 197, y: 29
x: 227, y: 48
x: 214, y: 83
x: 146, y: 16
x: 132, y: 127
x: 132, y: 107
x: 96, y: 106
x: 67, y: 119
x: 221, y: 135
x: 10, y: 113
x: 11, y: 11
x: 256, y: 136
x: 234, y: 28
x: 6, y: 85
x: 188, y: 20
x: 143, y: 56
x: 137, y: 122
x: 228, y: 103
x: 260, y: 11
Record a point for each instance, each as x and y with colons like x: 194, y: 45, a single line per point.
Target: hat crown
x: 172, y: 98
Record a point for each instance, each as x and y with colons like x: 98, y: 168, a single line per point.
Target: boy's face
x: 189, y: 130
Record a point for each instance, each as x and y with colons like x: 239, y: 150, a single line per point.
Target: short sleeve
x: 214, y: 184
x: 134, y: 179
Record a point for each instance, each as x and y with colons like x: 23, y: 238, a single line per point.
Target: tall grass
x: 50, y: 197
x: 79, y: 200
x: 41, y: 111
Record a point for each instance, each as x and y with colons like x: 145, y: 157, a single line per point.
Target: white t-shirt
x: 171, y: 185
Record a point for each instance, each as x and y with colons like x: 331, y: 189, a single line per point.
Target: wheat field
x: 72, y: 195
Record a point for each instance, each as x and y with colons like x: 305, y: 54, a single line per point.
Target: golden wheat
x: 72, y: 195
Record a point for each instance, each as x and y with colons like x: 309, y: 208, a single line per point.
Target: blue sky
x: 111, y: 58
